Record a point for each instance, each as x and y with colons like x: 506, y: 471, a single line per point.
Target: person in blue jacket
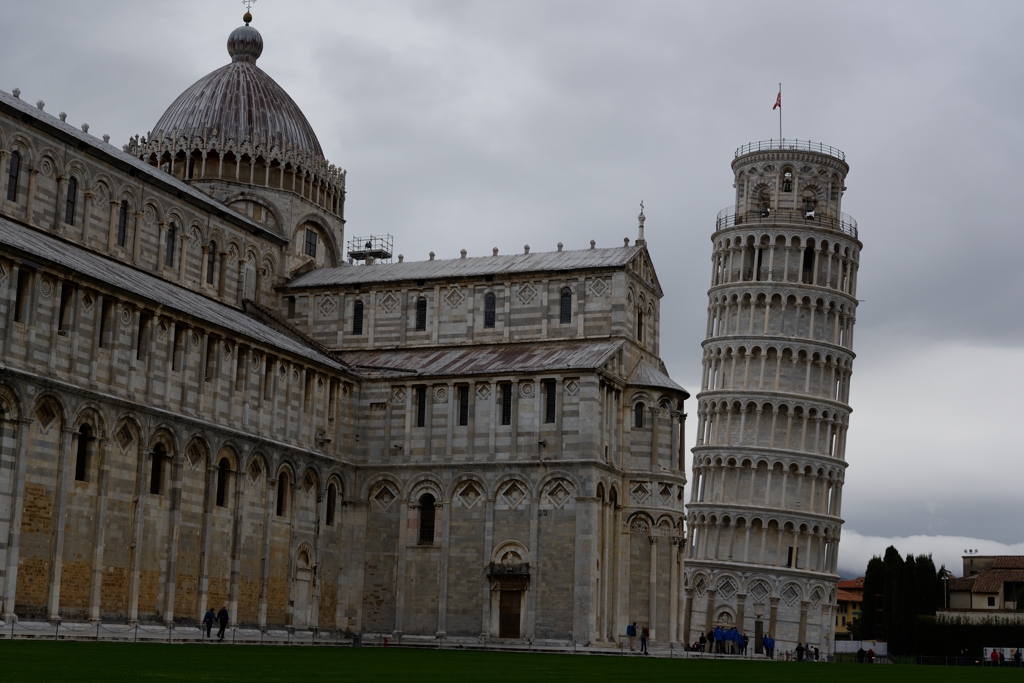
x: 719, y: 639
x: 631, y: 634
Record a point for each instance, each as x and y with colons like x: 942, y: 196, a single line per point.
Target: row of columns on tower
x: 821, y: 377
x: 713, y: 484
x: 804, y: 549
x: 808, y: 264
x: 764, y: 316
x: 827, y: 435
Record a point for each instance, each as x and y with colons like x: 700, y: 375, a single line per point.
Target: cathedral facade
x: 203, y: 403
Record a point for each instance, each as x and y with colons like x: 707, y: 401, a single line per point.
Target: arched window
x: 211, y: 262
x: 69, y: 205
x: 421, y: 315
x: 282, y: 494
x: 357, y: 318
x: 638, y: 416
x: 13, y: 175
x: 787, y: 180
x: 489, y: 301
x: 122, y: 224
x: 426, y: 519
x: 639, y: 325
x: 223, y: 473
x: 82, y: 456
x: 172, y: 239
x: 566, y: 306
x: 332, y: 501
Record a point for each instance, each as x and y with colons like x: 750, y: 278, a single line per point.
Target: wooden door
x: 508, y: 614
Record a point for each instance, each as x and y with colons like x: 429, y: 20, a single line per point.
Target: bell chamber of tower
x: 769, y: 461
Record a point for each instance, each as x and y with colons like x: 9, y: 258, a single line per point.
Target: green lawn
x: 66, y: 661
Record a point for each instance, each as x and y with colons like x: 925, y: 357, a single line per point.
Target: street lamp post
x: 758, y: 628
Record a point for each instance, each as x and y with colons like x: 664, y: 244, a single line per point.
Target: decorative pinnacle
x: 640, y: 236
x: 247, y: 17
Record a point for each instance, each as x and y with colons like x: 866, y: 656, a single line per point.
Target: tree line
x: 896, y: 592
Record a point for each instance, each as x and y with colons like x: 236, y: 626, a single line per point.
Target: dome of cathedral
x: 240, y: 101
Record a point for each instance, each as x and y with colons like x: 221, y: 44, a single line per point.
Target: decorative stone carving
x: 389, y: 302
x: 526, y: 293
x: 441, y: 394
x: 526, y: 389
x: 327, y: 306
x: 455, y: 297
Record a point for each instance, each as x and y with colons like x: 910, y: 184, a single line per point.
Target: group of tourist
x: 723, y: 641
x: 645, y: 633
x: 220, y: 617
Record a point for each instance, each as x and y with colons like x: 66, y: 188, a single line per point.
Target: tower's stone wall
x: 768, y: 468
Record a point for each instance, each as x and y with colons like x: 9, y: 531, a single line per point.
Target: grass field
x: 49, y: 661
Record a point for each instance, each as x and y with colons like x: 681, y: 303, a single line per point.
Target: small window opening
x: 21, y: 295
x: 307, y: 394
x: 787, y: 181
x: 140, y: 343
x: 191, y: 169
x: 566, y: 306
x: 426, y: 519
x: 282, y: 494
x: 72, y: 200
x: 13, y: 175
x: 332, y: 501
x: 223, y: 473
x: 122, y: 224
x: 357, y: 318
x: 311, y: 242
x: 421, y: 406
x: 489, y: 301
x: 211, y: 262
x: 67, y: 292
x: 639, y: 325
x: 178, y: 347
x: 105, y: 313
x: 550, y: 398
x: 638, y: 416
x: 506, y: 403
x: 82, y: 456
x: 268, y: 381
x: 421, y: 315
x: 157, y: 469
x: 211, y: 358
x: 463, y: 406
x: 171, y: 241
x: 808, y: 264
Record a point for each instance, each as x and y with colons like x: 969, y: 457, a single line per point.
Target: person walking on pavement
x: 644, y: 635
x: 208, y: 620
x: 702, y: 643
x: 222, y: 617
x: 631, y: 634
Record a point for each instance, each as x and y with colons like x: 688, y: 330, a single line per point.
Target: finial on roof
x: 526, y: 248
x: 593, y: 244
x: 401, y: 258
x: 17, y: 93
x: 640, y: 241
x: 431, y: 256
x: 245, y: 44
x: 559, y: 246
x: 625, y: 241
x: 495, y: 251
x: 463, y: 252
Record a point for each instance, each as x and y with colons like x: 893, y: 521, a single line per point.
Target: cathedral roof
x: 169, y: 296
x: 240, y: 101
x: 646, y: 375
x: 490, y: 359
x: 580, y: 259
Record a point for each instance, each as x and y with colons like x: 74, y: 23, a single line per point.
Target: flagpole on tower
x: 778, y: 105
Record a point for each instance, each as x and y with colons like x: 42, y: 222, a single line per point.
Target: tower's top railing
x: 844, y: 222
x: 792, y: 145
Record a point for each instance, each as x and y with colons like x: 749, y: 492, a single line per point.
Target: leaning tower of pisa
x: 769, y: 461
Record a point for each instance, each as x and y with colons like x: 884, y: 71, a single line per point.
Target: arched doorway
x: 510, y: 578
x: 303, y: 589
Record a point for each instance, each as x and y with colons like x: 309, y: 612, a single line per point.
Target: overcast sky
x: 481, y: 124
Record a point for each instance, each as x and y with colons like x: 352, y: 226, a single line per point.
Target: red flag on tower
x: 778, y: 101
